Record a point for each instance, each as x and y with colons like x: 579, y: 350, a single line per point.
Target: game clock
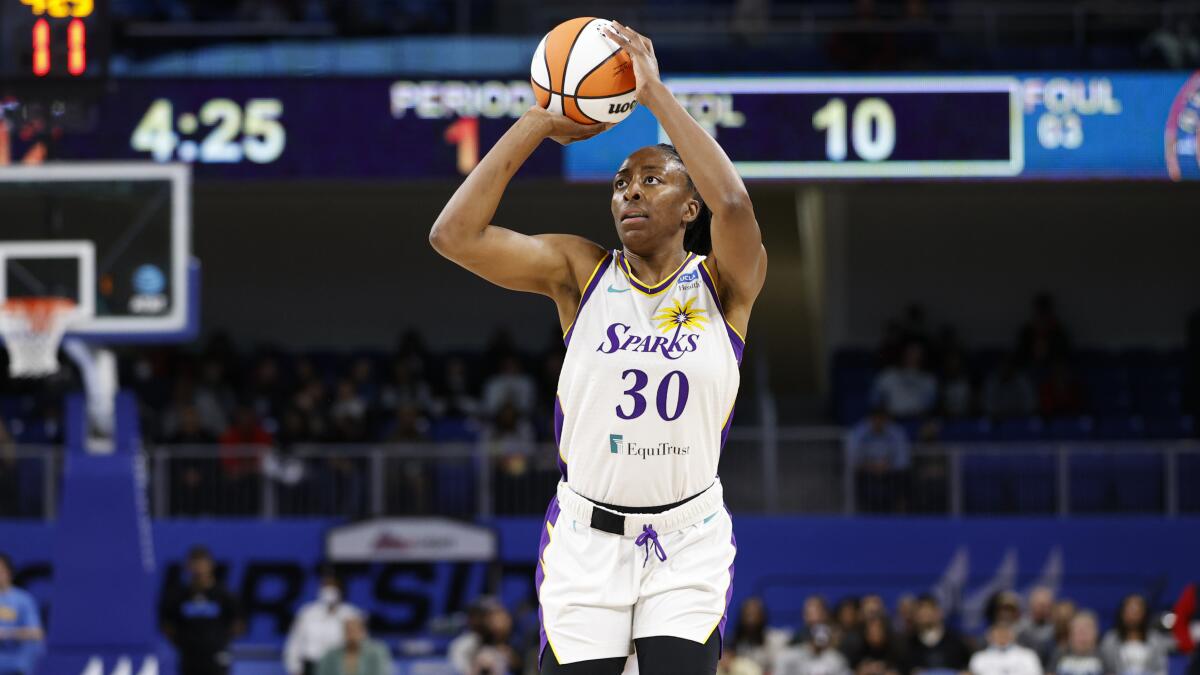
x: 53, y: 39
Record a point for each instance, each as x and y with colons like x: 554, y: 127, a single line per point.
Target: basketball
x: 580, y: 73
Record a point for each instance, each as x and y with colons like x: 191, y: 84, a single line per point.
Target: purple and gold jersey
x: 647, y: 388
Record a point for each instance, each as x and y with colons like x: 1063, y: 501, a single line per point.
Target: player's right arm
x: 546, y: 264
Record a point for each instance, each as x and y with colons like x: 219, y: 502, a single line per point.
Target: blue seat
x: 1070, y: 428
x: 1171, y: 426
x: 1119, y: 427
x: 1019, y: 429
x: 1159, y: 398
x: 453, y: 429
x: 966, y: 429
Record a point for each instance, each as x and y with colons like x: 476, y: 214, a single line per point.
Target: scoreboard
x: 1020, y: 126
x: 53, y: 38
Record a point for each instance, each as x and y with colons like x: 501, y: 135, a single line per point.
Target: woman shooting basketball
x: 637, y: 547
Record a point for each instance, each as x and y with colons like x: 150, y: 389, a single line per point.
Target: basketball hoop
x: 32, y: 330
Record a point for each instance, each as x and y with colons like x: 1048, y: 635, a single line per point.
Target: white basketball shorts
x: 669, y: 574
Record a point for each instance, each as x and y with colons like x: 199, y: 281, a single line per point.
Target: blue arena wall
x: 1095, y: 561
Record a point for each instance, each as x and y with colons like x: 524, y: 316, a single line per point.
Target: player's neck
x: 655, y: 267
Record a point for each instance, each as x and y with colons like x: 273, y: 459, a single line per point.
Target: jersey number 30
x: 640, y: 380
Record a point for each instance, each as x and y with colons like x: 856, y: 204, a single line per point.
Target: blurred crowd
x: 860, y: 636
x: 924, y: 385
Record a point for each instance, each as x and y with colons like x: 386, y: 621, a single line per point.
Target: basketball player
x: 637, y: 548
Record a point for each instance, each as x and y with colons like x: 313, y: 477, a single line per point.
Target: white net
x: 32, y: 330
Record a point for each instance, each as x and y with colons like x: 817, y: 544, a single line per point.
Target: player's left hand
x: 640, y: 51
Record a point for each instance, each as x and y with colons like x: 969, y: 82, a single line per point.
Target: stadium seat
x: 1117, y: 427
x: 1019, y: 429
x: 1070, y: 428
x: 1171, y: 426
x: 966, y: 429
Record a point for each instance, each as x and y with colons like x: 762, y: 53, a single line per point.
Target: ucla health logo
x: 671, y: 320
x: 689, y: 280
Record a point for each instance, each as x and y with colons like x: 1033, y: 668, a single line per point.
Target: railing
x: 791, y: 470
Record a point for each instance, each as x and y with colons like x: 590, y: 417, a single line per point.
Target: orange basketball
x: 580, y: 73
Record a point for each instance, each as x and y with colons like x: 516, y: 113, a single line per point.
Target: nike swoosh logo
x: 617, y: 290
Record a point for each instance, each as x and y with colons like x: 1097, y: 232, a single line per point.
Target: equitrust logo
x: 617, y: 445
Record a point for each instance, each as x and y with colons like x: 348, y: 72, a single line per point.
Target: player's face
x: 652, y: 199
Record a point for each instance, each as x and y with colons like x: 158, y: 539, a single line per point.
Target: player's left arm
x: 736, y: 238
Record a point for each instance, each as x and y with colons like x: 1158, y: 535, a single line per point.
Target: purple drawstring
x: 647, y: 537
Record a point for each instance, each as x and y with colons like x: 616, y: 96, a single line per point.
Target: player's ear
x: 691, y: 211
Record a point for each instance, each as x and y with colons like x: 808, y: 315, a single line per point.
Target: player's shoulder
x: 582, y: 254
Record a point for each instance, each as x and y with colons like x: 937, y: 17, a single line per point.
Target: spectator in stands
x: 497, y: 654
x: 1060, y: 393
x: 847, y: 629
x: 406, y: 388
x: 190, y: 400
x: 455, y: 396
x: 1063, y: 613
x: 1081, y: 656
x: 509, y: 439
x: 409, y: 425
x: 1036, y: 629
x: 1131, y: 647
x: 933, y: 645
x: 753, y: 638
x: 1003, y: 607
x: 733, y: 663
x: 906, y: 391
x: 904, y: 623
x: 193, y: 474
x: 201, y: 618
x: 1003, y: 656
x: 266, y: 392
x: 1042, y: 338
x: 880, y: 654
x: 816, y: 612
x: 958, y: 396
x: 358, y: 655
x: 319, y: 627
x: 242, y: 447
x: 878, y: 449
x: 872, y: 606
x: 362, y: 375
x: 461, y: 650
x: 1008, y: 393
x: 510, y: 384
x: 348, y: 413
x: 816, y: 656
x: 21, y: 633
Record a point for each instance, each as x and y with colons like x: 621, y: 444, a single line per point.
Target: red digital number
x: 76, y: 47
x: 41, y: 48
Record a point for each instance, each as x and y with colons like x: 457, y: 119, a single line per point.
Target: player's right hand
x: 562, y: 129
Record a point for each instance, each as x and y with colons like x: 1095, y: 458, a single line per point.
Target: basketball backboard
x: 113, y: 237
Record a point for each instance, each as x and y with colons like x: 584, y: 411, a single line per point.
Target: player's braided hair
x: 697, y: 238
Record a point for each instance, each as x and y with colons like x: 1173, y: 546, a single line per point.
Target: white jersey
x: 647, y: 387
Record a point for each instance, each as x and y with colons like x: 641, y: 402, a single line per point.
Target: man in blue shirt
x: 878, y: 450
x: 20, y: 626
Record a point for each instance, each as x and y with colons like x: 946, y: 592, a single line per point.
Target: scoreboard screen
x: 861, y: 127
x: 1023, y: 126
x: 53, y: 38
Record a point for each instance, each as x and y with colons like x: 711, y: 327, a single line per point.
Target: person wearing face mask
x: 319, y: 627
